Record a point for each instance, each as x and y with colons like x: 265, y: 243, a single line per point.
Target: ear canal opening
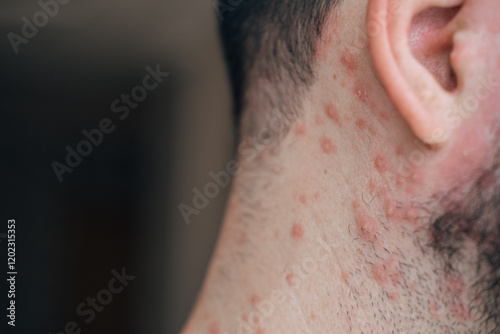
x: 430, y: 38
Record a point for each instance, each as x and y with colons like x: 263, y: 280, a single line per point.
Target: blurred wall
x: 118, y: 208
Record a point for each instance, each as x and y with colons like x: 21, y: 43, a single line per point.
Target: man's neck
x: 324, y: 224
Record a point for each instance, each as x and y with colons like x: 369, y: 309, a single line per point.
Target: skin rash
x: 365, y: 229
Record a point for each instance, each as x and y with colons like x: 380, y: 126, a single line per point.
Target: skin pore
x: 369, y: 214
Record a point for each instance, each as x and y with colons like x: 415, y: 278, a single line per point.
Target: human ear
x: 416, y: 48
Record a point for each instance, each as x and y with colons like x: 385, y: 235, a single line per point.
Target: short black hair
x: 271, y: 43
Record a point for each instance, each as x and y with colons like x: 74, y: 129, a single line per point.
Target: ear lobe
x: 411, y: 41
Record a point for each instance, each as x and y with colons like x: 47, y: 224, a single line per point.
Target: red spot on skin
x: 411, y: 213
x: 454, y: 284
x: 316, y: 195
x: 344, y: 275
x: 289, y: 279
x: 313, y: 316
x: 297, y: 231
x: 385, y: 116
x: 214, y: 328
x: 255, y: 319
x: 267, y: 154
x: 361, y: 124
x: 387, y: 270
x: 303, y: 199
x: 367, y: 227
x: 276, y: 168
x: 276, y: 233
x: 301, y: 129
x: 399, y: 151
x: 264, y: 156
x: 380, y: 273
x: 391, y: 208
x: 381, y: 164
x: 255, y: 300
x: 331, y: 113
x: 260, y: 331
x: 417, y: 177
x: 394, y: 295
x: 459, y: 310
x: 327, y: 145
x: 361, y: 93
x: 349, y: 61
x: 371, y: 186
x: 242, y: 238
x: 434, y: 309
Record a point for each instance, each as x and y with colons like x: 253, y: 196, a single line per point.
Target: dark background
x: 119, y: 207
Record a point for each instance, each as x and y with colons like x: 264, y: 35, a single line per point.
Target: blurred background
x: 118, y: 208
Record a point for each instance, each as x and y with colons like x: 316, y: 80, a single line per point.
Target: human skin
x: 329, y: 229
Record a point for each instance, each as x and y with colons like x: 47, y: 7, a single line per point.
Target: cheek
x: 477, y: 59
x: 475, y: 146
x: 482, y: 130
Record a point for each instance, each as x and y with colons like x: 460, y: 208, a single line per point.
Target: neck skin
x: 327, y: 230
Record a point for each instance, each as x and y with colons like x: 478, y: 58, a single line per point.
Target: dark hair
x: 467, y: 232
x: 270, y: 45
